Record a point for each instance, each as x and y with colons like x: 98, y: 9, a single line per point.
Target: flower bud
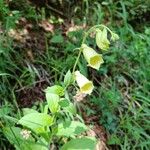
x: 114, y: 36
x: 92, y: 57
x: 85, y: 85
x: 101, y: 39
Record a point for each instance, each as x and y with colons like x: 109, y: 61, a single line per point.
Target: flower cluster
x: 93, y: 58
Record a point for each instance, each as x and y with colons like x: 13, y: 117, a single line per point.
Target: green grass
x: 123, y: 97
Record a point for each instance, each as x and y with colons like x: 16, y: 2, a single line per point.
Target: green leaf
x: 57, y: 39
x: 85, y: 143
x: 28, y: 111
x: 52, y: 100
x: 36, y: 121
x: 68, y: 79
x: 71, y: 128
x: 114, y: 140
x: 56, y: 89
x: 11, y: 119
x: 13, y: 134
x: 34, y: 146
x: 71, y: 109
x: 64, y: 102
x: 4, y: 110
x: 46, y: 108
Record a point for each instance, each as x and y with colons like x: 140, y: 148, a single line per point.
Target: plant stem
x: 16, y: 104
x: 76, y: 62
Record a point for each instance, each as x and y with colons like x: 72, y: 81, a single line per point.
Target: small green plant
x: 57, y: 124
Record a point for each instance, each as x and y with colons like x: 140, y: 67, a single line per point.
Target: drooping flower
x: 86, y: 86
x: 92, y: 57
x: 101, y: 39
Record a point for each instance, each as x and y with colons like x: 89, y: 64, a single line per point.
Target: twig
x: 55, y: 10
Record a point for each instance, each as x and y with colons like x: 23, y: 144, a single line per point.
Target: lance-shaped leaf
x: 68, y: 79
x: 36, y: 121
x: 53, y: 102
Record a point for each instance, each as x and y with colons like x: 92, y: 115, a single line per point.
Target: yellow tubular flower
x: 92, y: 57
x: 85, y: 85
x: 101, y: 39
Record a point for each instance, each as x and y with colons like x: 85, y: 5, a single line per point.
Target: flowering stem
x: 83, y: 41
x: 79, y: 54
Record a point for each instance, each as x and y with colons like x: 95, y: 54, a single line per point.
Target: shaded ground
x: 28, y: 96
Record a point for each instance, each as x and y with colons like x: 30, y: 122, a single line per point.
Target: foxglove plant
x: 58, y: 122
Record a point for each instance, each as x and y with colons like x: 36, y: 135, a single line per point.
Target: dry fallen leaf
x: 47, y: 26
x: 74, y: 27
x: 91, y: 133
x: 18, y: 35
x: 30, y: 55
x: 101, y: 146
